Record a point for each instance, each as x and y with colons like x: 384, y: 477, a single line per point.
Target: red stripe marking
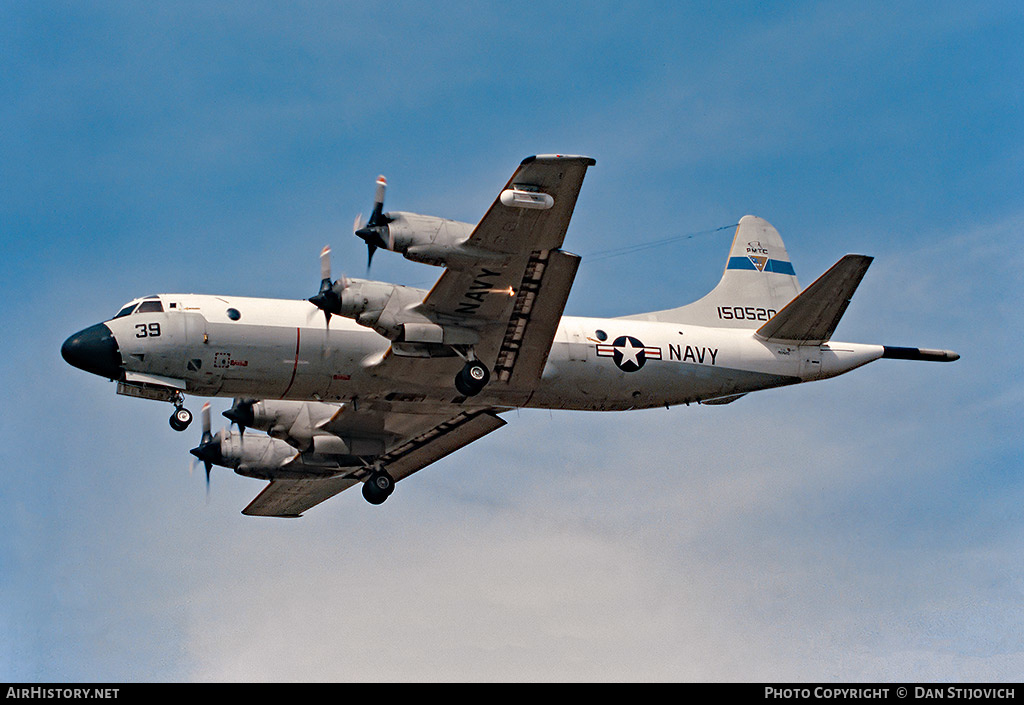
x: 295, y: 367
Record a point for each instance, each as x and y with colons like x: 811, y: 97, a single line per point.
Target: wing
x: 508, y: 236
x: 416, y: 441
x: 290, y: 498
x: 513, y: 292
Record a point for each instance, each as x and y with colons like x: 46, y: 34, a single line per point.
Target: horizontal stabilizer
x: 813, y: 315
x: 920, y: 354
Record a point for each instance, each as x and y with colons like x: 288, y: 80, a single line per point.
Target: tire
x: 180, y: 419
x: 472, y: 379
x: 378, y: 487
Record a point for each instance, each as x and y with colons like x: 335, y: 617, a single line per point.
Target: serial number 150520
x: 745, y: 313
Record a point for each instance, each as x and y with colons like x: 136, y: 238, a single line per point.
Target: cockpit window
x: 150, y: 307
x: 126, y: 310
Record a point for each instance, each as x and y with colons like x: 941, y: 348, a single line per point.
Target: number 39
x: 152, y: 330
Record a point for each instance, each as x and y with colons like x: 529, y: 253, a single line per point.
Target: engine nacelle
x: 394, y: 312
x: 364, y: 300
x: 254, y: 451
x: 425, y: 238
x: 294, y: 420
x: 300, y: 424
x: 269, y: 458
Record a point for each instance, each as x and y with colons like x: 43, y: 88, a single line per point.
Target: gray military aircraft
x: 368, y: 382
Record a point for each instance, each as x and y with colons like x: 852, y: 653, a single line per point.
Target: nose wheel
x: 182, y: 417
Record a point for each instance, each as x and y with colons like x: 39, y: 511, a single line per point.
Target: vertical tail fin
x: 758, y: 281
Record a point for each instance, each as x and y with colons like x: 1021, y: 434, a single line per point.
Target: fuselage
x: 286, y: 349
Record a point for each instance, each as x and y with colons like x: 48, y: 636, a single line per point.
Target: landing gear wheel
x: 378, y: 487
x: 473, y: 377
x: 180, y: 419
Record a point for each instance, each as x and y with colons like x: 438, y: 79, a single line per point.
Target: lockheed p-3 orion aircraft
x: 367, y: 382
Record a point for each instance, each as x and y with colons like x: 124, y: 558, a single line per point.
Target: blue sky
x: 863, y: 528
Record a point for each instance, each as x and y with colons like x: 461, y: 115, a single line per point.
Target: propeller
x: 208, y: 449
x: 327, y: 299
x: 241, y: 413
x: 375, y: 232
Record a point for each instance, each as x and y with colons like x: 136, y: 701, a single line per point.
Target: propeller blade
x: 377, y: 216
x: 206, y: 423
x: 375, y: 231
x: 325, y: 263
x: 208, y: 449
x: 325, y: 299
x: 241, y: 413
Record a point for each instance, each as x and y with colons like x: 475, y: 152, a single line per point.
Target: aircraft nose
x: 93, y: 350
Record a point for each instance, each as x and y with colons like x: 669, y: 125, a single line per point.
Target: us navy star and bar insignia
x: 628, y: 353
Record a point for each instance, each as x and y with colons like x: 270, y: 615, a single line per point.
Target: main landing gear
x: 378, y: 487
x: 474, y: 376
x: 181, y: 417
x: 472, y: 379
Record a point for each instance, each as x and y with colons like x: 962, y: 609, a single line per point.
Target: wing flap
x: 812, y: 316
x: 442, y: 440
x: 290, y: 498
x: 536, y: 313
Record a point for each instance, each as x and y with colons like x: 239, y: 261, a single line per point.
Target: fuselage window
x: 150, y: 307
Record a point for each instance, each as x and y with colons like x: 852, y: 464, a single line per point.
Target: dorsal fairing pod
x: 522, y: 197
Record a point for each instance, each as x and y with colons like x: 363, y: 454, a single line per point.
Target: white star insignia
x: 629, y: 353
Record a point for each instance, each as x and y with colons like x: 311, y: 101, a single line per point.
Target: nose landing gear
x: 182, y: 417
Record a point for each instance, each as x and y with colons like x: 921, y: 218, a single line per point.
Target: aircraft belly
x: 642, y: 364
x: 579, y: 386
